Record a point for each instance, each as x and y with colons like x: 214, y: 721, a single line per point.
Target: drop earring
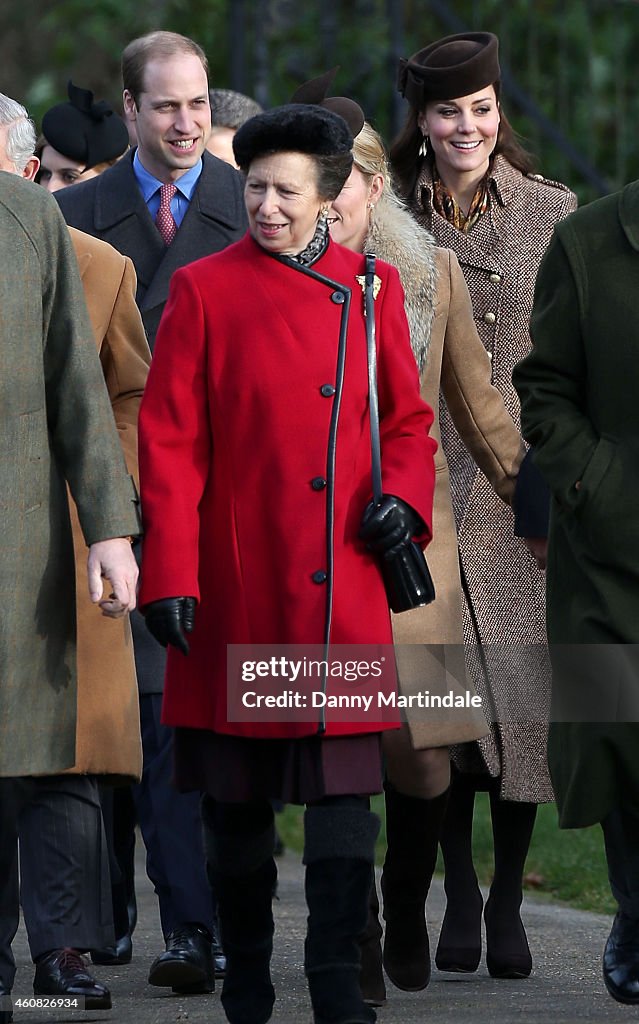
x: 423, y: 149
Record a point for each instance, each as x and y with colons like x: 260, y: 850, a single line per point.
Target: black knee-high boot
x: 339, y: 846
x: 371, y: 978
x: 239, y: 840
x: 412, y: 830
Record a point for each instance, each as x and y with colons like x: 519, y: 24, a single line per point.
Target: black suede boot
x: 412, y: 831
x: 242, y: 871
x: 338, y: 852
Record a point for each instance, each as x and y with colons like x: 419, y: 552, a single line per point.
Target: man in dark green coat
x: 579, y: 391
x: 56, y: 427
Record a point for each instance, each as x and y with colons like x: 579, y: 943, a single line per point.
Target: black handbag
x: 405, y: 573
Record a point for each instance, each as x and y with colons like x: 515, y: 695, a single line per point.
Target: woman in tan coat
x: 369, y: 217
x: 108, y: 725
x: 469, y: 182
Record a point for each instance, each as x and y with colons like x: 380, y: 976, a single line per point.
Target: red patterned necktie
x: 164, y: 218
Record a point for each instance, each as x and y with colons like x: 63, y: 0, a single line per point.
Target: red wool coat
x: 234, y: 451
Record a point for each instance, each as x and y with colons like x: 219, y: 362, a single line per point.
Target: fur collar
x: 396, y: 237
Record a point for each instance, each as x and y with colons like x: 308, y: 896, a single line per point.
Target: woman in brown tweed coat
x: 470, y: 183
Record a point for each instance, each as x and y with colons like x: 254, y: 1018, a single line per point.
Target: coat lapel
x: 473, y: 249
x: 122, y: 218
x: 211, y: 222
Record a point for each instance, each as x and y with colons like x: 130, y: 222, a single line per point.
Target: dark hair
x: 406, y: 161
x: 155, y: 46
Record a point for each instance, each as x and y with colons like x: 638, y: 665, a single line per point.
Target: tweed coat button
x: 337, y: 298
x: 318, y: 483
x: 495, y: 278
x: 327, y: 390
x: 319, y: 576
x: 489, y: 318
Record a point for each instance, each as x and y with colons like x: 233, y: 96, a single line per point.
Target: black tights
x: 512, y: 825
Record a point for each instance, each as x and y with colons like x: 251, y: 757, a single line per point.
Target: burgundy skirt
x: 237, y: 769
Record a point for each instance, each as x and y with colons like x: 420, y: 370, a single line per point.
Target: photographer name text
x: 360, y: 701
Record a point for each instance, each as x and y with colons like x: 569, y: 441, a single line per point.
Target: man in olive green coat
x: 56, y: 426
x: 579, y: 391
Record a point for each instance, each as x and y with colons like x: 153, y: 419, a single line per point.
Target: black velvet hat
x: 454, y: 66
x: 295, y: 128
x: 314, y: 91
x: 82, y: 130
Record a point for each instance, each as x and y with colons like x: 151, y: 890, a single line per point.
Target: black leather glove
x: 170, y: 619
x: 389, y: 526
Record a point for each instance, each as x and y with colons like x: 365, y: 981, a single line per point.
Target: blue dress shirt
x: 150, y: 188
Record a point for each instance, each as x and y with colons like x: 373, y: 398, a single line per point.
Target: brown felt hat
x: 314, y: 91
x: 451, y: 67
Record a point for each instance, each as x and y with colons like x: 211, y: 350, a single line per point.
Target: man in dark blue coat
x: 167, y: 203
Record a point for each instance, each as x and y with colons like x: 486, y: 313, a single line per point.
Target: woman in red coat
x: 255, y: 465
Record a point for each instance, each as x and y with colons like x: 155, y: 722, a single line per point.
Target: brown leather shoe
x: 63, y: 972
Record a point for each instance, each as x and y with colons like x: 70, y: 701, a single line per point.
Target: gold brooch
x: 377, y: 283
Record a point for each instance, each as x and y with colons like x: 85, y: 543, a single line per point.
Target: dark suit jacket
x: 112, y: 207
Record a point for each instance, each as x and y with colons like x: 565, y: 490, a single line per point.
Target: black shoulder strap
x: 369, y: 309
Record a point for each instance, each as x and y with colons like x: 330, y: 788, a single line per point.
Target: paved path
x: 565, y: 987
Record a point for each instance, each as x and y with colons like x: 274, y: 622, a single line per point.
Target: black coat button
x: 337, y: 298
x: 327, y: 390
x: 318, y: 483
x: 319, y: 576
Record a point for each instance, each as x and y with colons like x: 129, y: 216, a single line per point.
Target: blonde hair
x: 370, y: 158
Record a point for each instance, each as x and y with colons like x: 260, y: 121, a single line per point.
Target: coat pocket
x: 34, y: 460
x: 608, y: 506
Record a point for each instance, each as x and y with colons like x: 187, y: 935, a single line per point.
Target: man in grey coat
x: 164, y: 205
x: 56, y: 428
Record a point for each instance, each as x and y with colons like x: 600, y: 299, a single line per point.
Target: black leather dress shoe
x: 116, y: 955
x: 621, y: 960
x: 63, y: 972
x: 219, y: 956
x: 187, y: 964
x: 6, y: 1014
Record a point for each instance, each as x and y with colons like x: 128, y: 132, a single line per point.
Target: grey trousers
x: 64, y: 884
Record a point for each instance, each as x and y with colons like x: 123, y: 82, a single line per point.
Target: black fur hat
x: 295, y: 128
x: 82, y: 130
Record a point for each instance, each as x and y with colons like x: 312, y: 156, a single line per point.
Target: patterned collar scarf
x: 315, y: 248
x: 448, y: 207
